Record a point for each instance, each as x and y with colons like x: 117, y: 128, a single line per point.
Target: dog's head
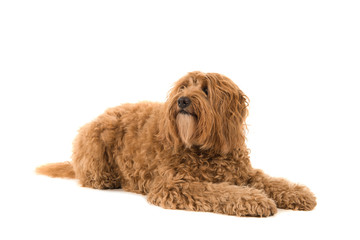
x: 206, y: 110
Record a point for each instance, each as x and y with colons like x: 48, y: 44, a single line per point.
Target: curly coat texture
x: 187, y: 153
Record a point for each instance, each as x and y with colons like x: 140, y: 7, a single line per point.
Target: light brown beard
x: 186, y: 127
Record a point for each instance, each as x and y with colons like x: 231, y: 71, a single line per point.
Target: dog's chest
x: 209, y: 169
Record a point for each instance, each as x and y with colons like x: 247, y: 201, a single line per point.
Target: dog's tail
x: 62, y: 170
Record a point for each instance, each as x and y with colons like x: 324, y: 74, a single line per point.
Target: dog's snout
x: 184, y: 102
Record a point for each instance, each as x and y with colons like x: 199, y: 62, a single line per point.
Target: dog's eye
x: 205, y: 90
x: 182, y: 87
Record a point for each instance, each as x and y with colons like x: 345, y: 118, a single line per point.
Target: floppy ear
x: 167, y: 126
x: 231, y: 109
x: 234, y: 120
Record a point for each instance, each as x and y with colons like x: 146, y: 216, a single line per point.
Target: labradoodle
x: 187, y: 153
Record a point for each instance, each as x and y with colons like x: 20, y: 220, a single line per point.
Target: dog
x: 188, y: 153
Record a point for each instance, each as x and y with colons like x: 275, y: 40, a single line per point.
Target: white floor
x: 44, y: 208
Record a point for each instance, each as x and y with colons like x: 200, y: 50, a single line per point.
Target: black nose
x: 183, y: 102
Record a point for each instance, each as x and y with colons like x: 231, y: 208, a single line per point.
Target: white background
x: 62, y: 63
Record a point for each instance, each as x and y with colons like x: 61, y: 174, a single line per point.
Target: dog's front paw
x: 264, y: 208
x: 257, y: 206
x: 297, y: 198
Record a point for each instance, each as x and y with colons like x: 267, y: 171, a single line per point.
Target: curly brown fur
x: 186, y: 153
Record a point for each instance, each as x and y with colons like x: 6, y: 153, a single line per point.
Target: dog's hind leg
x: 209, y: 197
x: 98, y: 172
x: 93, y: 160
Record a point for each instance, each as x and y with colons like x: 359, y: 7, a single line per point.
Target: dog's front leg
x: 209, y: 197
x: 287, y: 195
